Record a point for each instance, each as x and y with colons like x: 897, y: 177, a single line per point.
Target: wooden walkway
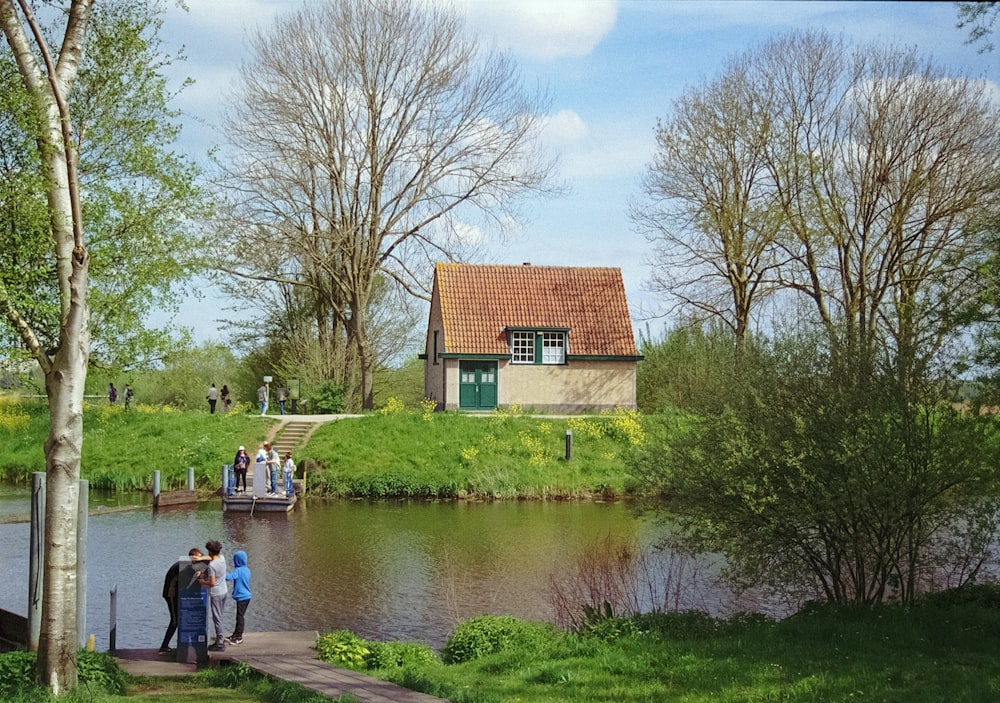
x: 289, y: 656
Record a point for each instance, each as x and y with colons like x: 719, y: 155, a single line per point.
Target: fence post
x: 36, y: 559
x: 83, y: 515
x: 113, y: 632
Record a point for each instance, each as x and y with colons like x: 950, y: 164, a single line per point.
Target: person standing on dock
x: 273, y: 465
x: 240, y: 465
x: 170, y: 595
x: 240, y: 576
x: 289, y: 472
x: 214, y: 579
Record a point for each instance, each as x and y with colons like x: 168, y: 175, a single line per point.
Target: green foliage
x: 139, y: 193
x: 328, y: 398
x: 100, y: 669
x: 97, y: 671
x: 17, y: 672
x: 343, y: 648
x: 493, y: 634
x: 346, y: 649
x: 689, y: 367
x: 812, y: 478
x: 389, y: 655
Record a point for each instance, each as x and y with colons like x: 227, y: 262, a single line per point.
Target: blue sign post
x: 192, y: 620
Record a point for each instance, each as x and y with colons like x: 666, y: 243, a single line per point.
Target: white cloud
x: 544, y: 29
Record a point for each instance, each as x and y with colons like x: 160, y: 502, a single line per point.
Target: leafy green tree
x: 818, y: 488
x: 141, y: 196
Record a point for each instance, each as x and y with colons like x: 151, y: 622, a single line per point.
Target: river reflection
x: 393, y: 571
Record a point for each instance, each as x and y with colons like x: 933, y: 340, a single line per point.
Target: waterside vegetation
x: 394, y: 452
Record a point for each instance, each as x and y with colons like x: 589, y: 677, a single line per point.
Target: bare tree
x: 884, y: 164
x: 364, y: 136
x: 850, y: 177
x: 49, y: 80
x: 711, y: 212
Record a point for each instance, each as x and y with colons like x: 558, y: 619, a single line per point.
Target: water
x: 393, y: 570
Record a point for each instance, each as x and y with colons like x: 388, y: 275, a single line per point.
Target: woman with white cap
x: 240, y: 465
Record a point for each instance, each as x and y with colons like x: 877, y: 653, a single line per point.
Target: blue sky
x: 611, y: 69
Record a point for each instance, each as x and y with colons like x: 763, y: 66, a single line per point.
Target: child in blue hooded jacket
x: 240, y: 576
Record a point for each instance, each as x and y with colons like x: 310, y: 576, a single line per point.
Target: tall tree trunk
x: 49, y: 82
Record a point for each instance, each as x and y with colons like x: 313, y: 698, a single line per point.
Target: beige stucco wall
x: 578, y: 386
x: 575, y: 387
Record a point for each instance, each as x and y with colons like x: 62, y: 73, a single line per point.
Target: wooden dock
x: 289, y: 656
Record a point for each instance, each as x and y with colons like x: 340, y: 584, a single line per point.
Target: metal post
x: 569, y: 444
x: 113, y: 632
x: 36, y: 558
x: 156, y: 488
x: 190, y: 478
x: 83, y: 514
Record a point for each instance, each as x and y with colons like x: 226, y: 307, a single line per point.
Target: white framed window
x: 522, y: 347
x: 553, y: 347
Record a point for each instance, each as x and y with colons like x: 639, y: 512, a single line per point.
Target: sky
x: 611, y: 69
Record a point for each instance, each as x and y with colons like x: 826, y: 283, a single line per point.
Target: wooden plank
x: 175, y: 498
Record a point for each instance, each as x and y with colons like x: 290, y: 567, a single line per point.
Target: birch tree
x: 49, y: 80
x: 366, y: 139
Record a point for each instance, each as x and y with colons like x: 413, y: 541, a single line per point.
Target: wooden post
x: 36, y: 559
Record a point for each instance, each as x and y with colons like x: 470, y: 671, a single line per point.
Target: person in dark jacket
x: 240, y: 576
x: 170, y: 595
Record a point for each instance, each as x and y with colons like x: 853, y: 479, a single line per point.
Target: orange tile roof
x: 479, y: 301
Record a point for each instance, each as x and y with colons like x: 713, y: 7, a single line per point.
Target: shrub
x: 17, y: 671
x: 342, y: 648
x: 328, y: 399
x: 98, y: 669
x: 493, y: 634
x: 390, y: 655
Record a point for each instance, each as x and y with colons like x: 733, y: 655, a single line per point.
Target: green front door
x: 477, y: 387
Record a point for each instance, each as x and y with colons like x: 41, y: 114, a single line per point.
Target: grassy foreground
x: 942, y: 649
x: 391, y: 453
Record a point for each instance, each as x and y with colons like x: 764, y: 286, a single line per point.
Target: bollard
x: 90, y: 642
x: 83, y: 516
x: 113, y: 632
x: 190, y: 478
x: 569, y: 444
x: 156, y: 488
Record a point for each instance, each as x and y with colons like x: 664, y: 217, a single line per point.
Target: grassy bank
x: 942, y: 649
x: 121, y: 450
x: 397, y: 453
x: 930, y: 653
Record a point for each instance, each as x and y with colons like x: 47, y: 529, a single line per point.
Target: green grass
x: 504, y: 455
x: 121, y: 450
x: 406, y: 453
x: 924, y: 654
